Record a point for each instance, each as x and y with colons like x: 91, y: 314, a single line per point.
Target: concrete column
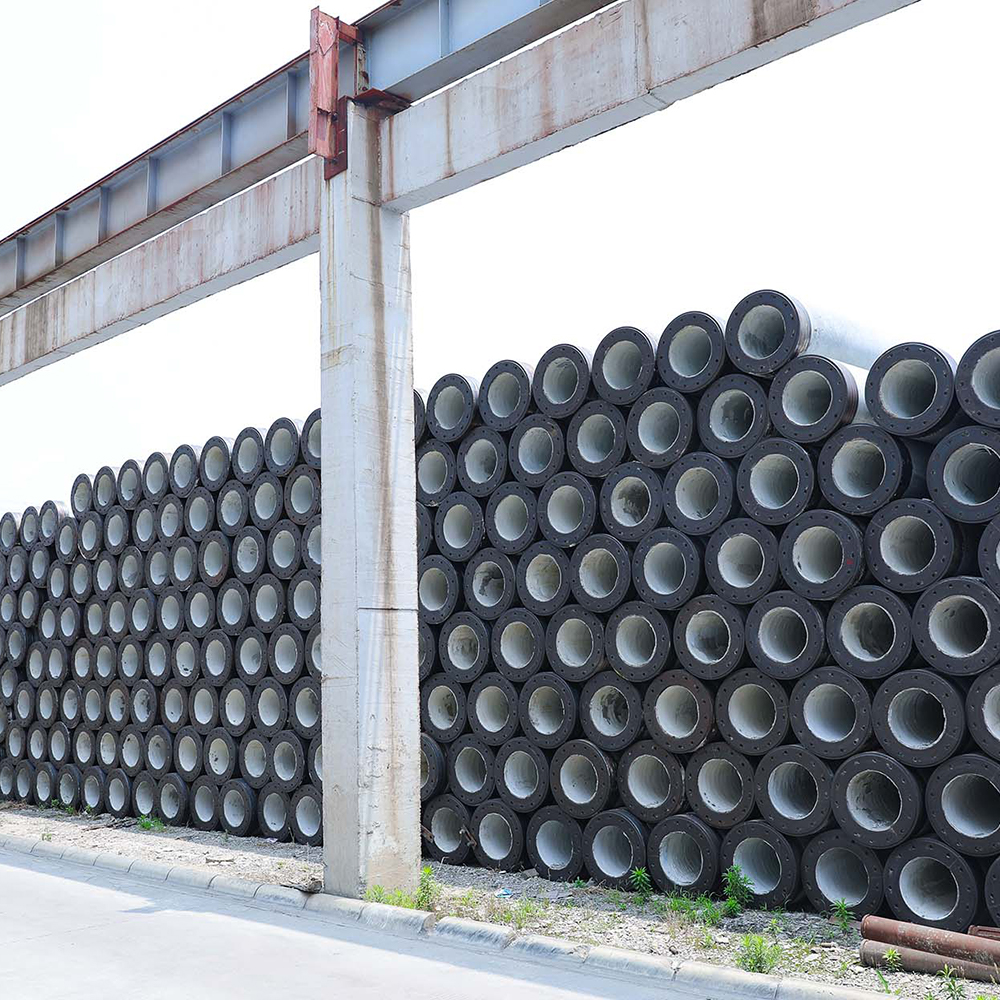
x: 371, y: 783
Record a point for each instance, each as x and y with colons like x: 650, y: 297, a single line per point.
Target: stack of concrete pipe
x: 160, y: 639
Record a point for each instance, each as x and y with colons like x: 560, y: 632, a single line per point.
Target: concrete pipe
x: 821, y: 555
x: 183, y: 474
x: 498, y: 836
x: 234, y: 708
x: 481, y: 462
x: 536, y: 450
x: 186, y: 659
x: 518, y: 644
x: 199, y: 513
x: 910, y: 392
x: 962, y: 798
x: 708, y: 637
x: 7, y: 780
x: 93, y: 706
x: 459, y: 526
x: 929, y: 883
x: 51, y: 515
x: 60, y: 749
x: 29, y: 533
x: 287, y: 764
x: 312, y: 555
x: 17, y: 567
x: 314, y: 763
x: 835, y: 867
x: 631, y: 501
x: 248, y: 555
x: 38, y: 567
x: 247, y: 457
x: 426, y: 651
x: 24, y: 782
x: 470, y: 767
x: 691, y: 353
x: 232, y: 508
x: 188, y: 753
x: 547, y: 709
x: 451, y: 407
x: 36, y: 660
x: 157, y: 568
x: 269, y: 707
x: 156, y: 660
x: 614, y: 845
x: 954, y: 626
x: 217, y: 658
x: 155, y: 478
x: 128, y: 485
x: 699, y: 493
x: 554, y: 844
x: 305, y: 816
x: 660, y: 427
x: 991, y: 890
x: 116, y: 530
x: 131, y: 571
x: 47, y: 704
x: 442, y: 708
x: 16, y: 742
x: 46, y: 785
x: 521, y: 773
x: 637, y: 641
x: 8, y: 609
x: 650, y: 781
x: 172, y: 799
x: 117, y: 705
x: 303, y: 601
x: 862, y: 468
x: 233, y: 606
x: 8, y: 684
x: 220, y: 756
x: 84, y: 747
x: 492, y: 708
x: 982, y: 711
x: 776, y: 482
x: 575, y: 643
x: 141, y: 617
x: 238, y: 806
x: 437, y: 472
x: 741, y: 561
x: 81, y: 496
x: 869, y: 632
x: 732, y: 416
x: 751, y: 711
x: 93, y: 790
x: 719, y: 785
x: 81, y: 580
x: 215, y: 463
x: 812, y: 396
x: 131, y: 751
x: 67, y: 542
x: 250, y: 656
x: 95, y: 621
x: 425, y: 531
x: 144, y: 525
x: 105, y: 575
x: 28, y: 605
x: 567, y: 508
x: 37, y: 744
x: 596, y: 439
x: 170, y: 518
x: 543, y: 578
x: 447, y: 837
x: 977, y: 378
x: 793, y: 788
x: 785, y: 635
x: 464, y: 647
x: 174, y: 706
x: 768, y: 329
x: 438, y: 589
x: 489, y: 583
x: 203, y: 707
x: 624, y: 365
x: 682, y: 855
x: 610, y: 711
x: 830, y: 713
x: 158, y: 751
x: 24, y: 703
x: 600, y: 573
x: 666, y: 569
x: 199, y: 611
x: 10, y: 525
x: 254, y: 759
x: 118, y: 793
x: 302, y: 494
x: 505, y: 395
x: 678, y: 711
x: 284, y: 553
x: 876, y: 800
x: 962, y: 474
x: 768, y: 859
x: 433, y: 768
x: 561, y: 381
x: 282, y: 446
x: 311, y: 438
x: 581, y: 778
x: 286, y: 654
x: 511, y: 518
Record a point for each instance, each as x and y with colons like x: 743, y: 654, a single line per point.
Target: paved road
x: 67, y: 931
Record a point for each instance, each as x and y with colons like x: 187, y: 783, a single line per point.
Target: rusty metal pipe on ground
x: 950, y: 944
x: 873, y: 954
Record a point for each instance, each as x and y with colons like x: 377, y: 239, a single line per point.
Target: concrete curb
x: 696, y: 979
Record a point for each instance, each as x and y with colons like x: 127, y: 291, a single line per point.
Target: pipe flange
x: 821, y: 554
x: 683, y: 855
x: 741, y: 561
x: 215, y: 461
x: 751, y: 711
x: 543, y: 578
x: 982, y: 711
x: 975, y: 380
x: 869, y: 632
x: 709, y: 637
x: 835, y: 867
x: 991, y: 890
x: 794, y: 791
x: 255, y: 751
x: 442, y: 708
x: 445, y: 827
x: 286, y: 655
x: 666, y: 569
x: 512, y: 518
x: 547, y: 709
x: 451, y: 407
x: 811, y: 397
x: 962, y: 798
x: 517, y: 644
x: 498, y: 836
x: 595, y: 438
x: 237, y: 807
x: 522, y: 775
x: 419, y: 417
x: 438, y: 589
x: 925, y: 396
x: 437, y: 472
x: 600, y: 573
x: 172, y: 800
x: 718, y: 783
x: 554, y: 844
x: 248, y: 455
x: 433, y: 768
x: 582, y: 778
x: 561, y: 381
x: 287, y: 764
x: 610, y: 711
x: 536, y: 450
x: 876, y: 800
x: 989, y: 554
x: 775, y: 481
x: 608, y: 839
x: 624, y: 365
x: 567, y: 509
x: 678, y: 711
x: 269, y: 707
x: 765, y: 331
x: 188, y: 753
x: 305, y: 815
x: 574, y: 643
x: 489, y: 583
x: 963, y: 474
x: 145, y: 795
x: 273, y: 809
x: 830, y: 713
x: 505, y: 395
x: 699, y: 493
x: 732, y: 416
x: 631, y: 501
x: 767, y: 858
x: 492, y: 708
x: 637, y: 641
x: 311, y: 436
x: 81, y: 498
x: 955, y: 626
x: 234, y: 708
x: 785, y: 635
x: 481, y: 461
x: 93, y: 789
x: 659, y: 428
x: 305, y: 708
x: 425, y: 532
x: 183, y: 471
x: 650, y: 781
x: 927, y: 882
x: 910, y: 545
x: 861, y: 468
x: 691, y: 353
x: 128, y: 484
x: 158, y: 751
x: 118, y: 793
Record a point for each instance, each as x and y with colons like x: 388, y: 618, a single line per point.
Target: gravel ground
x: 811, y: 946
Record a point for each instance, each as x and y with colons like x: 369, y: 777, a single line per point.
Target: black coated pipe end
x: 464, y: 647
x: 419, y: 416
x: 614, y: 845
x: 963, y: 474
x: 982, y: 711
x: 768, y: 859
x: 470, y: 770
x: 517, y: 644
x: 505, y: 395
x: 438, y: 589
x: 794, y: 791
x: 481, y: 461
x: 650, y: 781
x: 821, y: 554
x: 436, y: 472
x: 451, y: 407
x: 581, y: 778
x: 775, y: 481
x: 492, y: 707
x: 543, y: 578
x: 489, y: 583
x: 765, y: 331
x: 447, y: 836
x: 741, y: 560
x: 683, y: 855
x: 574, y: 643
x: 667, y: 568
x: 976, y: 379
x: 991, y: 890
x: 962, y: 798
x: 955, y: 626
x: 679, y: 711
x: 442, y: 708
x: 751, y: 711
x: 869, y: 632
x: 561, y: 381
x: 631, y: 501
x: 567, y: 509
x: 877, y: 800
x: 691, y: 352
x: 536, y: 450
x: 811, y: 397
x: 521, y: 770
x: 861, y: 468
x: 785, y: 635
x: 624, y: 365
x: 659, y: 428
x: 637, y: 641
x: 718, y: 783
x: 610, y: 711
x: 699, y: 493
x: 836, y: 867
x: 512, y: 518
x: 548, y: 710
x: 498, y: 836
x: 732, y: 416
x: 929, y: 883
x: 709, y: 637
x: 433, y: 768
x: 910, y: 545
x: 554, y: 844
x: 596, y: 438
x: 830, y: 713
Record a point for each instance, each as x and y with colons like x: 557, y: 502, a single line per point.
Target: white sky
x: 860, y: 174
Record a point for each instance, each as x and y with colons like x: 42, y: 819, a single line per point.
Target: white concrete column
x: 371, y: 724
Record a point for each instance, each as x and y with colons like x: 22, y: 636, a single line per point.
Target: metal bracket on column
x: 327, y: 108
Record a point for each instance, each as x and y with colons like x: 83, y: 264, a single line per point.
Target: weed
x: 756, y: 955
x: 642, y: 885
x: 46, y: 836
x: 151, y: 823
x: 679, y: 904
x: 660, y: 907
x: 737, y: 886
x: 423, y: 899
x: 929, y: 995
x: 375, y: 894
x: 985, y: 996
x: 843, y: 915
x: 707, y: 911
x: 731, y: 908
x: 954, y: 988
x: 618, y: 899
x: 428, y: 890
x: 892, y: 961
x: 579, y: 883
x: 89, y: 811
x: 883, y: 982
x: 707, y: 941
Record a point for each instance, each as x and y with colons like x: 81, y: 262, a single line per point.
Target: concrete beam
x: 255, y: 231
x: 371, y: 711
x: 625, y: 62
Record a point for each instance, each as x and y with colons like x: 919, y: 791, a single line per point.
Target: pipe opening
x: 255, y: 758
x: 971, y: 805
x: 43, y: 787
x: 664, y: 568
x: 187, y: 754
x: 546, y: 710
x: 230, y: 508
x: 609, y: 711
x: 543, y: 578
x: 131, y: 750
x: 82, y: 496
x: 707, y: 636
x: 449, y: 407
x: 283, y: 447
x: 185, y: 659
x: 247, y: 554
x: 760, y: 864
x: 91, y: 792
x: 116, y: 794
x: 117, y: 704
x: 251, y: 656
x: 204, y: 804
x: 442, y: 707
x: 71, y: 703
x: 234, y: 809
x: 774, y: 481
x: 517, y: 645
x: 630, y: 501
x: 622, y: 364
x: 690, y: 351
x: 868, y: 631
x: 156, y: 477
x: 677, y: 711
x: 783, y: 635
x: 986, y: 378
x: 232, y: 610
x: 266, y: 500
x: 599, y: 573
x: 23, y: 784
x: 283, y: 759
x: 105, y: 575
x: 15, y: 743
x: 565, y: 509
x: 446, y: 830
x: 495, y: 836
x: 307, y: 710
x: 731, y: 415
x: 198, y: 515
x: 504, y: 395
x: 578, y: 779
x: 463, y: 647
x: 511, y: 517
x: 36, y: 744
x: 741, y: 561
x: 201, y: 610
x: 659, y: 426
x: 792, y: 790
x: 470, y: 770
x: 720, y: 785
x: 928, y: 888
x: 305, y: 599
x: 266, y: 604
x: 959, y: 626
x: 88, y: 536
x: 807, y: 398
x: 841, y: 874
x: 612, y: 852
x: 972, y: 474
x: 697, y: 493
x: 752, y: 711
x: 29, y: 604
x: 158, y: 569
x: 170, y: 612
x: 173, y: 706
x: 907, y: 545
x: 432, y: 471
x: 314, y: 541
x: 269, y: 707
x: 248, y: 456
x: 130, y: 570
x: 829, y: 713
x: 143, y: 706
x: 66, y: 538
x: 681, y: 858
x: 574, y: 642
x: 6, y: 780
x: 308, y: 816
x: 492, y: 709
x: 858, y: 468
x: 58, y: 748
x: 92, y: 705
x: 116, y: 528
x: 535, y: 450
x: 183, y: 471
x: 648, y: 781
x: 520, y: 774
x: 158, y: 753
x: 457, y: 526
x: 235, y: 707
x: 203, y: 706
x: 554, y: 844
x: 874, y: 801
x: 129, y: 484
x: 991, y: 711
x: 817, y: 554
x: 761, y: 332
x: 561, y: 380
x: 488, y: 583
x: 481, y: 460
x: 595, y: 438
x: 141, y: 615
x: 907, y: 389
x: 145, y: 798
x: 635, y: 640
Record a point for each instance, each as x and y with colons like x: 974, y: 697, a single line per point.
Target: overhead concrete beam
x: 257, y: 230
x: 628, y: 61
